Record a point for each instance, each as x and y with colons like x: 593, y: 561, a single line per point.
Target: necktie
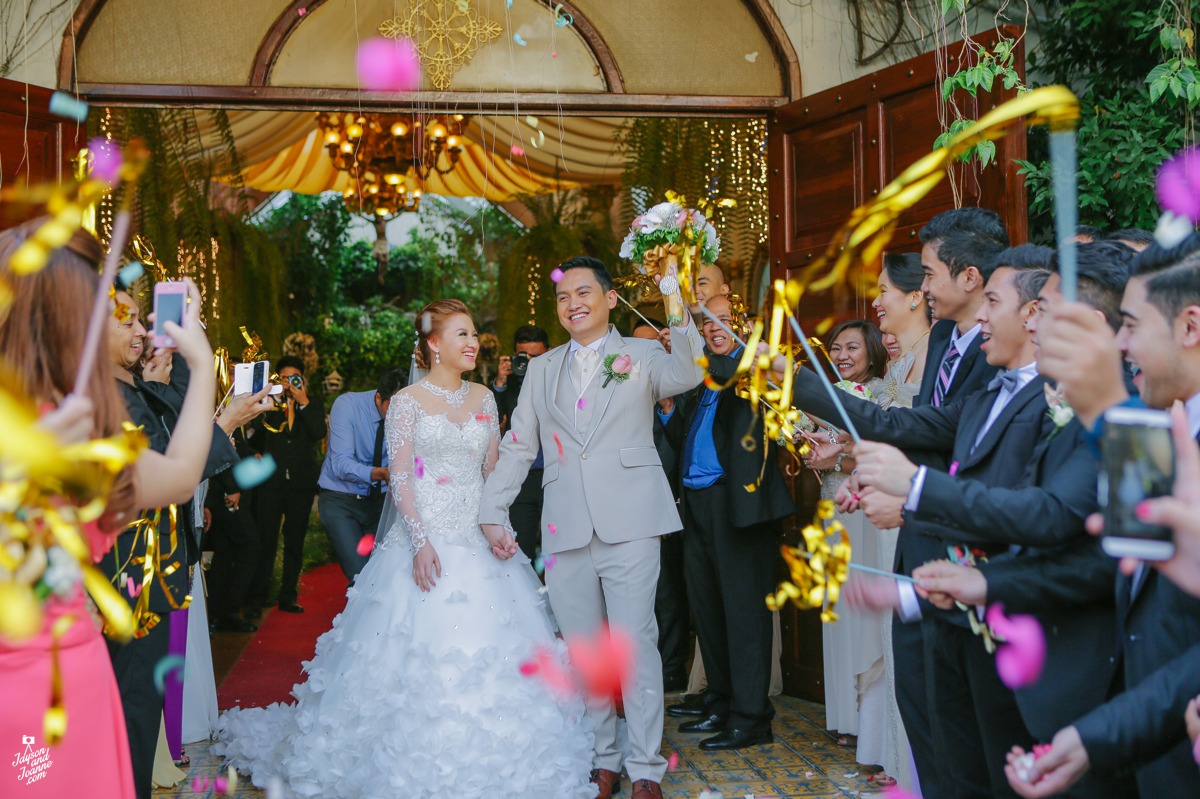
x: 944, y: 375
x: 377, y: 460
x: 291, y: 414
x: 583, y: 366
x: 1005, y: 380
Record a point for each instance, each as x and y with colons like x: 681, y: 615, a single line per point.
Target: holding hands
x: 504, y: 545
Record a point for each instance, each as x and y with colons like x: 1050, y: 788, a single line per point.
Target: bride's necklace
x: 455, y: 398
x: 912, y: 347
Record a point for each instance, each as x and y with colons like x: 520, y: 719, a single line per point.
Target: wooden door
x: 35, y: 145
x: 828, y: 154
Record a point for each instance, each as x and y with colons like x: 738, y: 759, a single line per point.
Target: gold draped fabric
x: 282, y: 151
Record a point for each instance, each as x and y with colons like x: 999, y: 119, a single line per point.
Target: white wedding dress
x: 415, y: 694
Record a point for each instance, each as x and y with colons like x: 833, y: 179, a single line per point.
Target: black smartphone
x: 1139, y: 464
x: 258, y: 379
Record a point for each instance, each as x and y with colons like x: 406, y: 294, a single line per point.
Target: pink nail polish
x: 1142, y: 511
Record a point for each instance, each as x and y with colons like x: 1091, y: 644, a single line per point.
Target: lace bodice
x: 440, y: 454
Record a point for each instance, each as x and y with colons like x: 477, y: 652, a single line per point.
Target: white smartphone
x: 1139, y: 464
x: 170, y: 300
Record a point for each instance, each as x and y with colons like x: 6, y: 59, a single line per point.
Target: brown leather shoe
x: 609, y: 783
x: 645, y: 789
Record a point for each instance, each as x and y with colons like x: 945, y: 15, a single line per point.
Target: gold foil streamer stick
x: 639, y: 313
x: 829, y: 388
x: 1066, y: 204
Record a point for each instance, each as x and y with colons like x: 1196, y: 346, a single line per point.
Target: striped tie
x: 944, y: 374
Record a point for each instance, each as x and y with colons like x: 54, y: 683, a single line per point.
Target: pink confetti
x: 1041, y: 750
x: 388, y: 65
x: 546, y: 666
x: 134, y: 589
x: 518, y: 151
x: 365, y: 545
x: 1178, y: 185
x: 604, y: 662
x: 483, y: 417
x: 106, y: 160
x: 301, y: 11
x: 954, y: 468
x: 443, y: 479
x: 561, y: 457
x: 896, y: 792
x: 556, y: 274
x: 673, y: 761
x: 550, y: 527
x: 581, y: 404
x: 554, y: 54
x: 1020, y: 658
x: 220, y: 785
x: 549, y: 560
x: 419, y: 466
x: 514, y: 436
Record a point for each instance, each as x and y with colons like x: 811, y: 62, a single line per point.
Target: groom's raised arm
x: 518, y: 449
x: 676, y: 372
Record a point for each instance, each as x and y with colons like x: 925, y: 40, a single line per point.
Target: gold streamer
x: 54, y: 722
x: 819, y: 570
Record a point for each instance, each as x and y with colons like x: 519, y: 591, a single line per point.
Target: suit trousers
x: 234, y: 542
x: 276, y: 503
x: 525, y: 514
x: 615, y: 583
x: 133, y: 666
x: 975, y: 717
x: 729, y: 573
x: 671, y: 610
x: 912, y: 697
x: 346, y: 519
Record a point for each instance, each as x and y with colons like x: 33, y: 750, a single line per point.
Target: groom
x: 589, y: 406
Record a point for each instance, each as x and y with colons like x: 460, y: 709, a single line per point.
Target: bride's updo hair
x: 430, y: 321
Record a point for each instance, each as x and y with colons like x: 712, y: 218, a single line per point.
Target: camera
x: 520, y: 364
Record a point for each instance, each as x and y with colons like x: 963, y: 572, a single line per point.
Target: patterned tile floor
x: 805, y: 761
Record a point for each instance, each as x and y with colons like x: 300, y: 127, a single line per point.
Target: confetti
x: 106, y: 160
x: 365, y: 545
x: 483, y: 417
x: 556, y: 274
x: 520, y: 40
x: 164, y: 667
x: 134, y: 590
x: 581, y: 404
x: 130, y: 273
x: 752, y: 57
x: 518, y: 151
x: 564, y: 19
x: 64, y: 105
x: 508, y: 3
x: 253, y: 471
x: 1020, y: 658
x: 388, y: 65
x: 673, y: 761
x: 550, y: 670
x: 549, y: 560
x: 301, y: 11
x: 554, y: 54
x: 604, y: 663
x: 561, y: 457
x: 514, y: 436
x: 443, y: 479
x: 551, y: 528
x: 1178, y: 185
x: 419, y: 466
x: 531, y: 121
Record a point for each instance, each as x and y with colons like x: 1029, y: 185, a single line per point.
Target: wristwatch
x: 837, y: 467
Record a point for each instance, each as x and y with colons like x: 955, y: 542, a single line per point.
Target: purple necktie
x: 944, y: 374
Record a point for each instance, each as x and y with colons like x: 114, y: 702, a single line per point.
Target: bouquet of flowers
x: 857, y: 389
x: 666, y: 241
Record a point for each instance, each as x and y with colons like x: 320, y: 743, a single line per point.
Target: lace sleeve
x: 493, y: 450
x: 400, y: 427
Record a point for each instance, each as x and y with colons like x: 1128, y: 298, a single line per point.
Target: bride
x: 415, y: 691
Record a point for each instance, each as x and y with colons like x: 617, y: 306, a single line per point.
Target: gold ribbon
x: 254, y: 350
x: 819, y: 570
x: 54, y: 722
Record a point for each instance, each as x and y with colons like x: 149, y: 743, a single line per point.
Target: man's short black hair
x: 289, y: 360
x: 965, y: 237
x: 1033, y: 264
x: 654, y: 323
x: 1103, y: 269
x: 1134, y: 234
x: 1173, y: 275
x: 595, y: 264
x: 531, y: 334
x: 390, y: 382
x: 1088, y: 231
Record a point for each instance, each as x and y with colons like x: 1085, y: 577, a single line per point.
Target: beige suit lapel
x: 555, y: 374
x: 615, y: 345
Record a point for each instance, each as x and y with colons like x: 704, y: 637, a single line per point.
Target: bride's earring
x: 437, y: 357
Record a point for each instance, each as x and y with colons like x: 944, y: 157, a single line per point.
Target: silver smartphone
x: 1138, y: 464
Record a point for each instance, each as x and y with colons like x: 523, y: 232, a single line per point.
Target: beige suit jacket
x: 609, y: 478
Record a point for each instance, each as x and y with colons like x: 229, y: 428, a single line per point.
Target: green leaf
x: 1169, y: 38
x: 1176, y: 86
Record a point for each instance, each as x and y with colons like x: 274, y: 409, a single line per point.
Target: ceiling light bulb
x: 399, y: 129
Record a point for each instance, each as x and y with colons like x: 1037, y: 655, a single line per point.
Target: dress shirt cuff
x: 664, y: 417
x: 499, y: 389
x: 910, y: 606
x: 913, y: 501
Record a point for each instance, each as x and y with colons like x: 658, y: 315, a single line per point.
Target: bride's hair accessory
x: 429, y: 322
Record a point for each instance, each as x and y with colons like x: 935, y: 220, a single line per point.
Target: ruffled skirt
x: 420, y: 695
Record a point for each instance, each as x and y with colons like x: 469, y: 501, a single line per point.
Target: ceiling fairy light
x: 388, y: 157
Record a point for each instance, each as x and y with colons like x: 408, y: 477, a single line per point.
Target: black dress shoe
x: 674, y: 684
x: 290, y: 607
x: 233, y: 624
x: 737, y: 739
x: 713, y: 723
x: 693, y: 705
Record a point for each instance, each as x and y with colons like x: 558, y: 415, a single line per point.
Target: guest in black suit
x: 959, y: 248
x: 994, y: 436
x: 287, y: 495
x: 1159, y: 625
x: 730, y: 546
x: 670, y: 600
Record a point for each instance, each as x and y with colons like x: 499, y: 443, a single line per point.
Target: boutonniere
x: 617, y: 367
x: 857, y: 389
x: 1060, y: 411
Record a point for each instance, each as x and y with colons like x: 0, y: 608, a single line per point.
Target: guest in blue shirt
x: 354, y: 475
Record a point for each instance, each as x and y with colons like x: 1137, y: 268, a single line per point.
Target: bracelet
x: 837, y: 467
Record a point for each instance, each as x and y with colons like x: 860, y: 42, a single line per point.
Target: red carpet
x: 271, y: 662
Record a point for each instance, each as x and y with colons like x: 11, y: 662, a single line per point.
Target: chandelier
x: 389, y: 156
